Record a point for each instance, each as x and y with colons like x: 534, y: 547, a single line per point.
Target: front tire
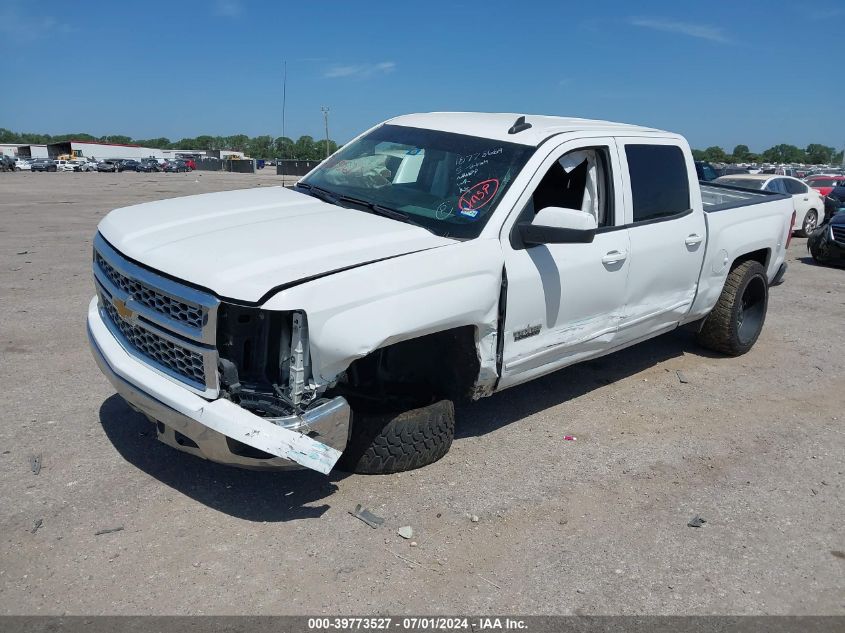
x: 396, y: 442
x: 811, y: 221
x: 735, y: 323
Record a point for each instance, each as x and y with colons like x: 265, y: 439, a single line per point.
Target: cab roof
x: 496, y: 125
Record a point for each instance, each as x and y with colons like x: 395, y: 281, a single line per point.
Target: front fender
x: 354, y: 312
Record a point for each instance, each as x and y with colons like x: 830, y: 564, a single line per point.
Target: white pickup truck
x: 436, y: 257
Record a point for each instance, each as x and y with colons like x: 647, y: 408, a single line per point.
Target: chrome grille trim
x: 171, y: 345
x: 837, y: 233
x: 173, y: 306
x: 191, y: 315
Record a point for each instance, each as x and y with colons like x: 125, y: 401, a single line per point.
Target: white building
x: 102, y: 151
x: 16, y: 150
x: 106, y: 151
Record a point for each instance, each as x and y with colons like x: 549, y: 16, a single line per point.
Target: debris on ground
x: 488, y: 581
x: 36, y: 524
x: 696, y: 521
x: 681, y: 377
x: 413, y: 562
x: 35, y: 463
x: 22, y: 253
x: 474, y: 518
x: 109, y: 530
x: 366, y: 516
x: 406, y: 531
x: 570, y: 438
x: 413, y: 543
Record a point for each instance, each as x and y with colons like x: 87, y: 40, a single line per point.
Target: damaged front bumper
x: 220, y: 430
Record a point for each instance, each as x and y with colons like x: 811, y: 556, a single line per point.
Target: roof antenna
x: 519, y: 125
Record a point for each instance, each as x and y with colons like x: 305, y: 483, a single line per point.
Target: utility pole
x: 325, y: 111
x: 284, y: 104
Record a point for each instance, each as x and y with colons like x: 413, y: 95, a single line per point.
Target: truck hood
x: 243, y: 244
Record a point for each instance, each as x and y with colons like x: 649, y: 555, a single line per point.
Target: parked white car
x: 23, y: 164
x: 437, y: 257
x: 66, y: 165
x: 807, y: 202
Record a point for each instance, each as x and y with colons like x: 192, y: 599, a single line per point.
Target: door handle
x: 693, y: 240
x: 614, y: 257
x: 805, y: 199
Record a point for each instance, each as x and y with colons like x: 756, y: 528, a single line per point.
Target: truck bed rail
x: 719, y: 197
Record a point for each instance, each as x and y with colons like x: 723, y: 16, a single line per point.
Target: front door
x: 564, y: 301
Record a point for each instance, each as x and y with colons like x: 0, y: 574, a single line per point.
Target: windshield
x: 447, y: 183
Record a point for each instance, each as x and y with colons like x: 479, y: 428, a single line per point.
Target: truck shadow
x: 246, y: 494
x: 518, y: 402
x: 291, y: 495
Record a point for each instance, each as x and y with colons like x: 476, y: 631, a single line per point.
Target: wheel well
x: 413, y: 373
x: 761, y: 256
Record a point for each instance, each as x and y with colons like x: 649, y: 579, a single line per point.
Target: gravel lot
x: 594, y: 526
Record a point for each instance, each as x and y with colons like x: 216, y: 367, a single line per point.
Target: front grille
x: 178, y: 310
x: 162, y: 322
x: 160, y: 350
x: 838, y: 233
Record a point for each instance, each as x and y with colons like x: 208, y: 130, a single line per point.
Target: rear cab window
x: 659, y: 181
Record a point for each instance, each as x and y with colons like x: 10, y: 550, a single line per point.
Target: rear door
x: 803, y: 198
x: 667, y: 233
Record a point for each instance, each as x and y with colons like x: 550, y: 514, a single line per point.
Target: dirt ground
x: 593, y: 526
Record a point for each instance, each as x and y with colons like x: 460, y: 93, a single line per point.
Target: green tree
x: 818, y: 154
x: 304, y: 149
x: 741, y: 153
x: 784, y: 153
x: 237, y: 142
x: 260, y: 147
x: 698, y: 154
x: 715, y: 154
x: 283, y: 147
x: 159, y: 143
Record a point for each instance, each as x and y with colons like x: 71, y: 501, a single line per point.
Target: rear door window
x: 794, y: 187
x: 659, y: 181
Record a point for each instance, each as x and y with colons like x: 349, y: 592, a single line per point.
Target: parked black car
x: 106, y: 165
x: 705, y: 171
x: 827, y: 243
x: 148, y: 165
x: 176, y: 166
x: 44, y: 164
x: 128, y: 165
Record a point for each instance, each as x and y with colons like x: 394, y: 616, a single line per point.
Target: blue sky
x: 721, y: 73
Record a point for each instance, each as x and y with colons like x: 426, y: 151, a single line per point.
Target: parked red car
x: 190, y: 163
x: 824, y: 184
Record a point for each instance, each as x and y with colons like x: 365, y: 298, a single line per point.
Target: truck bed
x: 756, y: 222
x: 718, y: 197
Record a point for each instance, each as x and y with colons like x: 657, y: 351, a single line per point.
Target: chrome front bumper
x: 219, y: 429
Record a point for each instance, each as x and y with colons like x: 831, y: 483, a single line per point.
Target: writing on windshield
x: 448, y: 183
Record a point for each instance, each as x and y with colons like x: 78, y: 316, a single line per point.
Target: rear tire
x: 396, y: 442
x: 811, y: 221
x: 735, y: 323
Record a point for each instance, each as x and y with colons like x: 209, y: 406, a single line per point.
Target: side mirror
x: 556, y: 225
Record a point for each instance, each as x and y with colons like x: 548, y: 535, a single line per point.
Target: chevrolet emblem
x: 122, y: 310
